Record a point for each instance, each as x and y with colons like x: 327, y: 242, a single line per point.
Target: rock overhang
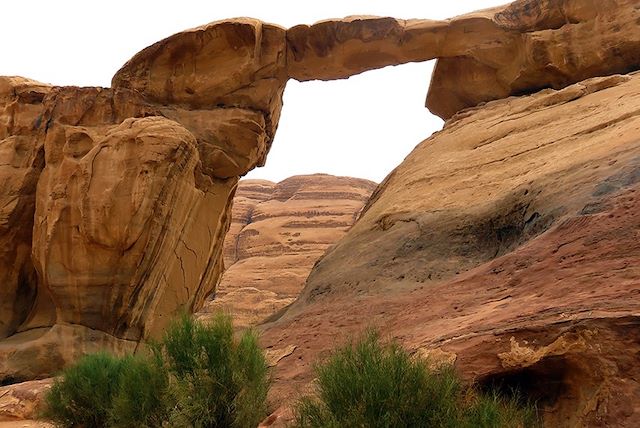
x: 491, y: 54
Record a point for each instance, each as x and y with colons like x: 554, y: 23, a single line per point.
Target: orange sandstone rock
x: 134, y: 187
x: 115, y: 201
x: 232, y: 63
x: 514, y: 49
x: 507, y: 242
x: 278, y: 231
x: 23, y: 401
x: 21, y: 161
x: 127, y: 227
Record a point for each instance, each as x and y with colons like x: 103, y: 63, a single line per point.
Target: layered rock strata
x: 278, y: 231
x: 482, y: 56
x: 506, y: 243
x: 116, y: 200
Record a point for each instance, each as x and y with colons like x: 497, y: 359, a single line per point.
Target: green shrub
x: 490, y: 410
x: 369, y: 384
x: 219, y: 381
x: 84, y: 394
x: 141, y: 399
x: 198, y: 375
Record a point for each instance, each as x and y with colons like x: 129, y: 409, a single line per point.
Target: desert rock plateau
x: 507, y: 243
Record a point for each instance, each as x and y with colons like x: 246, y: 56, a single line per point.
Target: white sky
x: 362, y: 127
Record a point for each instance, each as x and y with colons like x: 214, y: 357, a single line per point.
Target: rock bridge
x: 115, y: 201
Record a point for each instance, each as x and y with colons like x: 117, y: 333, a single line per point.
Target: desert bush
x: 141, y: 399
x: 218, y: 381
x: 84, y: 394
x: 492, y: 410
x: 197, y: 375
x: 371, y: 384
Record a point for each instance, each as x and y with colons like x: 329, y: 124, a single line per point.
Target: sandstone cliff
x: 278, y: 231
x: 116, y: 201
x: 507, y: 243
x: 110, y: 210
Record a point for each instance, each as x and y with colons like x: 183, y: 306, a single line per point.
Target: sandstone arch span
x: 116, y: 200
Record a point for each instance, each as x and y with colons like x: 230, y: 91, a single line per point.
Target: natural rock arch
x: 115, y: 201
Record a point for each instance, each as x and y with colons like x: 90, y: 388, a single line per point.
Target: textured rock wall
x: 278, y: 231
x: 507, y: 243
x: 487, y: 55
x: 21, y: 161
x: 127, y: 227
x: 115, y: 200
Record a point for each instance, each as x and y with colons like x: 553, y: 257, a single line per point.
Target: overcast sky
x: 362, y: 127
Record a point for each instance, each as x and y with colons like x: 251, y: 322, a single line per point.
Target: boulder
x: 23, y: 401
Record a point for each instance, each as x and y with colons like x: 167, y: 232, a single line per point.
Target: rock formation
x: 119, y: 240
x: 22, y: 162
x: 487, y: 55
x: 22, y: 401
x: 115, y: 201
x: 278, y: 231
x: 507, y: 243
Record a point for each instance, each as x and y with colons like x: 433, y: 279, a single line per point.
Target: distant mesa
x: 278, y: 232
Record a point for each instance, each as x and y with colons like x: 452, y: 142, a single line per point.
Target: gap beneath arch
x: 363, y: 126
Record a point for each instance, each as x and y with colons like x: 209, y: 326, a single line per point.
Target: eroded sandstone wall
x: 115, y: 201
x: 278, y: 232
x: 127, y: 229
x: 118, y: 199
x: 22, y: 162
x: 507, y: 244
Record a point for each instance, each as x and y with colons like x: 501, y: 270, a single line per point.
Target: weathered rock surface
x: 22, y: 401
x: 128, y: 218
x: 507, y: 243
x: 115, y: 201
x: 538, y: 44
x: 487, y: 55
x: 127, y: 223
x: 21, y: 161
x: 277, y: 233
x: 235, y: 63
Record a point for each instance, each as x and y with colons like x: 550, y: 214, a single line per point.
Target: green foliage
x: 83, y: 396
x: 491, y: 410
x: 369, y: 384
x: 219, y: 382
x: 198, y: 375
x: 141, y: 399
